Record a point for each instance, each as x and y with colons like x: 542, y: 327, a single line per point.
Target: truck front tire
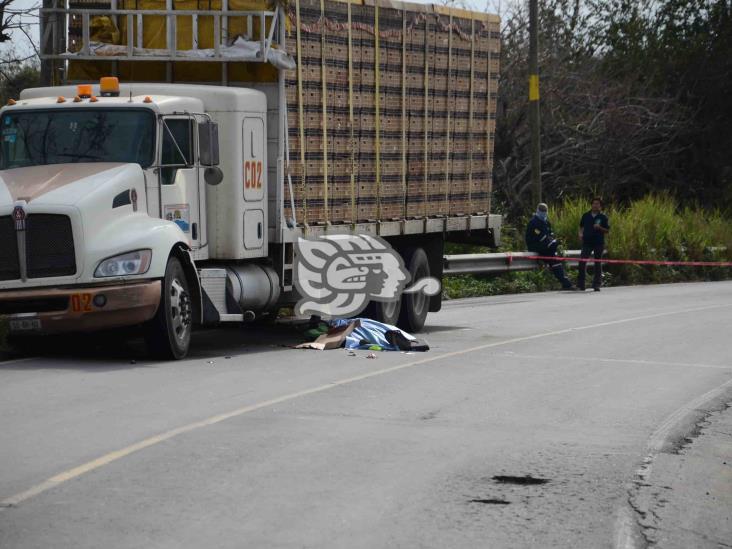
x: 415, y: 305
x: 168, y: 334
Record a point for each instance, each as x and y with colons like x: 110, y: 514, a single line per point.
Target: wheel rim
x: 180, y: 310
x: 419, y: 302
x: 391, y: 309
x: 419, y: 299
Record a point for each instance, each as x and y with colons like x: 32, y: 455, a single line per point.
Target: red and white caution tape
x: 634, y: 261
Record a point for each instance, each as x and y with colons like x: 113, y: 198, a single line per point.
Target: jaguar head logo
x: 337, y: 275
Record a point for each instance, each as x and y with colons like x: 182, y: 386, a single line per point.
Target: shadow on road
x: 432, y: 329
x: 126, y: 349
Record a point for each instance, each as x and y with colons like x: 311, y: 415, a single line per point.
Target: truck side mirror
x: 208, y: 143
x: 213, y: 175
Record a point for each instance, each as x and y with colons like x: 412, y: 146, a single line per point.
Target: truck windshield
x: 32, y: 138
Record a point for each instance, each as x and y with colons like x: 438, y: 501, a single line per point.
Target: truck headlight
x: 131, y: 263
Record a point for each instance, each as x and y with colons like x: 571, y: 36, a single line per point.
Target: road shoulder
x: 685, y: 500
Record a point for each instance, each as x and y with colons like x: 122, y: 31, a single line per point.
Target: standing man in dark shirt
x: 540, y: 240
x: 594, y: 225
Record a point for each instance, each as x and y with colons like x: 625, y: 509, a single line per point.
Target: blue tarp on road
x: 368, y: 333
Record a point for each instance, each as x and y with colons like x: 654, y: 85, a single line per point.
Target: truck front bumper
x: 79, y: 309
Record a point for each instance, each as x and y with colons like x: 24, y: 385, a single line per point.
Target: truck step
x: 213, y: 285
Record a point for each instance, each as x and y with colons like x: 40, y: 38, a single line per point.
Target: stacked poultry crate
x: 391, y: 110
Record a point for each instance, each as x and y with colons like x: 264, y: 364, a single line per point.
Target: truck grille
x: 9, y: 266
x: 49, y: 244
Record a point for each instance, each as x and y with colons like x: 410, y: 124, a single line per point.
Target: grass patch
x: 459, y: 286
x: 656, y: 228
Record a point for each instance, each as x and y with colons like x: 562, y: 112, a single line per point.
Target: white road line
x: 658, y: 439
x: 111, y: 457
x: 626, y: 529
x: 619, y: 361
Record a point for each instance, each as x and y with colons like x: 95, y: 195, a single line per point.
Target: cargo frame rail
x: 54, y: 33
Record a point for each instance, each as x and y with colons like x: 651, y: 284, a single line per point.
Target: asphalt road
x: 252, y: 444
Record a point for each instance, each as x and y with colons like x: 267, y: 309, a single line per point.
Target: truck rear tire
x: 415, y: 305
x: 383, y: 311
x: 168, y: 334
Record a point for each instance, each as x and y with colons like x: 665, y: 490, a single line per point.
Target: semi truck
x: 163, y: 177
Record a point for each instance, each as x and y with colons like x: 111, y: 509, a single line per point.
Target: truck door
x: 180, y: 177
x: 255, y: 185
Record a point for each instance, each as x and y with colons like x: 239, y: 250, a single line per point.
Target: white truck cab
x: 110, y: 196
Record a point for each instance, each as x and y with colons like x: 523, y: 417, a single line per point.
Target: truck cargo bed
x: 391, y: 110
x: 387, y: 120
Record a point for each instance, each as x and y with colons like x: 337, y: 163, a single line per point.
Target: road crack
x: 642, y: 499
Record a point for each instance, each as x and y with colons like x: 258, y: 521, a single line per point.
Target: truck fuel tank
x: 253, y: 286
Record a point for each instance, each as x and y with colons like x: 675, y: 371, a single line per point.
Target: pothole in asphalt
x: 527, y: 480
x: 491, y: 501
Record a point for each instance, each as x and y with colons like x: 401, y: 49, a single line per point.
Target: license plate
x: 25, y: 325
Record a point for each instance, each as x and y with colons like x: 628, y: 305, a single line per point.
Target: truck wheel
x: 386, y: 312
x: 415, y: 305
x: 168, y: 335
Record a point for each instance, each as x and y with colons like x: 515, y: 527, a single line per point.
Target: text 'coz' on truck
x: 176, y: 197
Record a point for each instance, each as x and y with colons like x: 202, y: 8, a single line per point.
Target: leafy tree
x: 15, y: 76
x: 634, y: 100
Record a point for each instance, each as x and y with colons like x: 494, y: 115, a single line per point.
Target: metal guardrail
x: 510, y: 262
x: 496, y: 263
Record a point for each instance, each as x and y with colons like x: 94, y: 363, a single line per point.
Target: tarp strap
x: 301, y: 121
x: 350, y: 116
x: 288, y: 167
x: 377, y: 108
x: 324, y: 73
x: 404, y: 113
x: 470, y: 115
x: 488, y: 115
x: 448, y: 155
x: 425, y: 159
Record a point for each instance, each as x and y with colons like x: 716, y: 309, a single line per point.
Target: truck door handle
x: 259, y: 230
x: 194, y: 231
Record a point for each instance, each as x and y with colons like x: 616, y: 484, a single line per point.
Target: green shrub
x: 459, y: 286
x: 655, y: 227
